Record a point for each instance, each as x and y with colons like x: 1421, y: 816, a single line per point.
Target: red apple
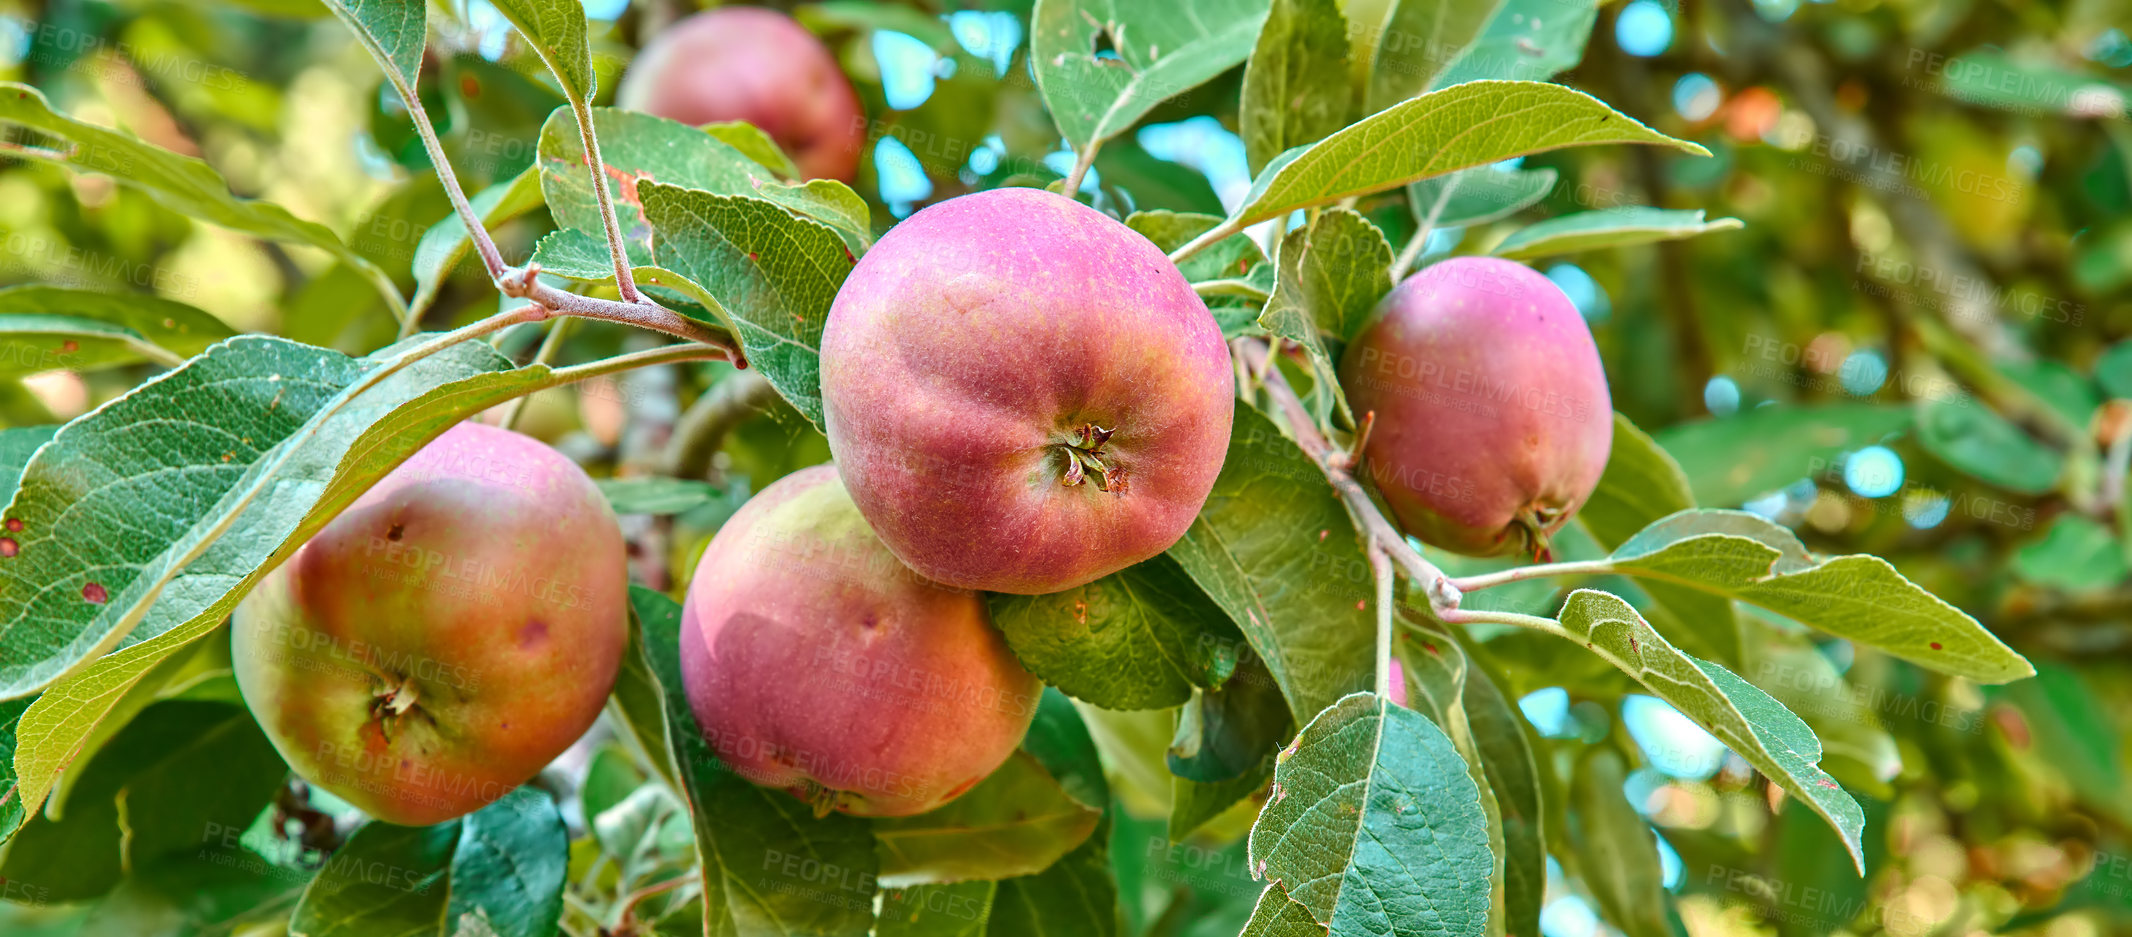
x: 1493, y: 419
x: 442, y: 640
x: 756, y: 65
x: 817, y: 663
x: 1023, y: 394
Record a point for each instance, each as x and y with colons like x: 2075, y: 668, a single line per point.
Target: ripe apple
x: 442, y: 640
x: 1493, y: 418
x: 1023, y: 394
x: 817, y: 663
x: 756, y: 65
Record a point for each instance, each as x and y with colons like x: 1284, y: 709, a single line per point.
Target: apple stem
x: 1377, y: 532
x: 1081, y: 162
x: 1412, y: 252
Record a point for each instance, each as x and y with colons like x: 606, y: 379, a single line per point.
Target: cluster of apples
x: 1021, y: 395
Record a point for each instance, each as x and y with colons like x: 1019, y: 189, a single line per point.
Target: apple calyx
x: 1084, y: 455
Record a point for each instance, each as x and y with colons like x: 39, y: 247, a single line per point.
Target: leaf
x: 1194, y: 804
x: 1731, y: 459
x: 50, y: 327
x: 1141, y: 638
x: 1077, y: 895
x: 1275, y: 549
x: 445, y: 242
x: 1017, y: 821
x: 1858, y: 597
x: 510, y: 867
x: 1059, y: 740
x: 754, y: 144
x: 1277, y: 915
x: 1755, y: 727
x: 11, y: 812
x: 1526, y: 39
x: 769, y: 865
x: 2075, y: 553
x: 657, y: 494
x: 1626, y: 226
x: 1295, y: 86
x: 556, y: 30
x: 1460, y: 127
x: 639, y: 149
x: 1513, y: 776
x: 640, y: 700
x: 958, y: 910
x: 393, y: 31
x: 1330, y: 285
x: 1158, y: 50
x: 1228, y: 731
x: 183, y: 184
x: 1480, y: 195
x: 2113, y: 370
x: 773, y: 272
x: 1642, y: 484
x: 171, y: 576
x: 1983, y: 444
x: 1616, y: 854
x: 1233, y: 257
x: 1375, y: 826
x: 1418, y: 39
x: 387, y: 879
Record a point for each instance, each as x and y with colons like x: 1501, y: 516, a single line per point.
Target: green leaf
x: 1417, y: 40
x: 1480, y: 195
x: 445, y: 242
x: 1983, y: 444
x: 556, y: 31
x: 393, y: 31
x: 1433, y: 673
x: 1077, y: 896
x: 769, y: 864
x: 2113, y: 370
x: 1858, y: 597
x: 1747, y: 720
x: 1342, y: 272
x: 1059, y: 740
x: 1141, y: 638
x: 1375, y: 826
x: 1275, y: 549
x: 639, y: 149
x: 1194, y: 804
x: 1017, y: 821
x: 1731, y: 459
x: 1277, y: 915
x: 1233, y: 257
x: 1616, y: 854
x: 773, y: 272
x: 1162, y: 50
x: 2075, y: 553
x: 1295, y: 86
x: 1513, y: 775
x: 1460, y: 127
x: 17, y: 445
x: 510, y: 867
x: 387, y: 879
x: 755, y: 144
x: 183, y: 184
x: 657, y: 494
x: 52, y: 327
x: 1530, y: 40
x: 1642, y: 484
x: 958, y: 910
x: 640, y: 700
x: 11, y: 812
x: 1626, y: 226
x: 1228, y: 731
x: 300, y: 443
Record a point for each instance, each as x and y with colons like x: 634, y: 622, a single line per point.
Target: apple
x: 447, y: 636
x: 1022, y: 394
x: 817, y: 663
x: 756, y: 65
x: 1493, y: 420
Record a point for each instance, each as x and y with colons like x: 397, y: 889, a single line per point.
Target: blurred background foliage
x: 1914, y: 348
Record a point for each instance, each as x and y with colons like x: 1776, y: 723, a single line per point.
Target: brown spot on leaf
x: 8, y: 546
x: 69, y: 346
x: 94, y: 592
x: 1935, y: 645
x: 14, y: 524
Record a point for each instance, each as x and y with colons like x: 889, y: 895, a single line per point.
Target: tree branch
x: 525, y: 284
x: 1378, y: 533
x: 625, y: 282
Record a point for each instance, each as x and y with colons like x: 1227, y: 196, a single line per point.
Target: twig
x: 1381, y: 570
x: 1504, y: 577
x: 625, y: 282
x: 1081, y: 162
x: 1211, y: 237
x: 525, y: 284
x: 1412, y: 252
x: 703, y: 427
x: 1378, y: 533
x: 626, y: 921
x: 491, y: 258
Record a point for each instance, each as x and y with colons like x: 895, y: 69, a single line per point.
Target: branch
x: 1378, y: 533
x: 1504, y: 577
x: 1381, y: 571
x: 703, y: 428
x: 625, y: 282
x: 483, y: 244
x: 525, y: 284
